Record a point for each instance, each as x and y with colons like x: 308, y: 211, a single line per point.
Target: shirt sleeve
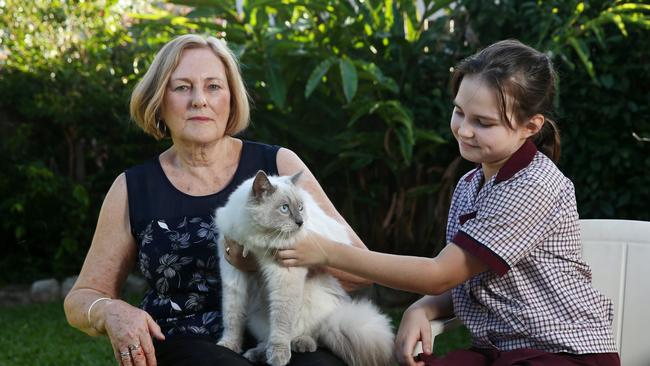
x: 512, y: 221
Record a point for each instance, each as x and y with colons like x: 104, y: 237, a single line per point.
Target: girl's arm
x: 288, y: 164
x: 434, y: 276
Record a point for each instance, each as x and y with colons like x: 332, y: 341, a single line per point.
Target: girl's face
x: 482, y: 135
x: 196, y: 105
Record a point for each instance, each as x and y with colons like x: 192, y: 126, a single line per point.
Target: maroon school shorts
x: 523, y: 356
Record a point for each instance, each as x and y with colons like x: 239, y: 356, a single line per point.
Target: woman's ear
x: 534, y: 125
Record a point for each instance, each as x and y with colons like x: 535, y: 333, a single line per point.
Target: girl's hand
x: 414, y: 327
x: 307, y: 252
x: 235, y: 256
x: 130, y: 330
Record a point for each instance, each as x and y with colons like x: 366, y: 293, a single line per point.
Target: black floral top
x: 176, y: 239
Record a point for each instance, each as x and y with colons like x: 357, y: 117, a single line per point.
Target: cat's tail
x: 358, y: 333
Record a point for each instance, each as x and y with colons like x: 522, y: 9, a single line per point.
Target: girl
x: 512, y: 270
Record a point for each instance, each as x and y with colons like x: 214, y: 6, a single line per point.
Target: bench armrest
x: 438, y: 326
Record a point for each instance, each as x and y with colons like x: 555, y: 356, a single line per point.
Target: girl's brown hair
x: 527, y: 77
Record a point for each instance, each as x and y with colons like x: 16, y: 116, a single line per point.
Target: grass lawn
x: 38, y: 335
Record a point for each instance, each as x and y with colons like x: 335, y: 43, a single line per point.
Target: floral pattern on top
x: 178, y: 258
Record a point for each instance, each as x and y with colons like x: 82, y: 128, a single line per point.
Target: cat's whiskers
x: 278, y: 235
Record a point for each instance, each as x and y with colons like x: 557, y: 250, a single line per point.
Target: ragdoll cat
x: 284, y: 308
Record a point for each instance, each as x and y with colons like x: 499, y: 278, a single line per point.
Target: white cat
x: 285, y: 308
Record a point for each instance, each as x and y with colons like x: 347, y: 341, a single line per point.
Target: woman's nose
x: 198, y: 99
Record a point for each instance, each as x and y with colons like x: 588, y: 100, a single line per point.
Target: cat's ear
x: 295, y: 177
x: 262, y: 186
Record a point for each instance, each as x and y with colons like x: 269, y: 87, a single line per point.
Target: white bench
x: 618, y: 252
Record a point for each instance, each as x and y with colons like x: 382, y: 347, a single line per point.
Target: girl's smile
x: 482, y: 134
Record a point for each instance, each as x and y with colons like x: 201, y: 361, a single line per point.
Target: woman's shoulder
x: 256, y: 145
x: 143, y: 167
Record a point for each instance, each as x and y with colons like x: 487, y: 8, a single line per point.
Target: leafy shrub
x: 358, y: 89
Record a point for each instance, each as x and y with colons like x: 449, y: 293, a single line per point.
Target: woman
x: 158, y: 215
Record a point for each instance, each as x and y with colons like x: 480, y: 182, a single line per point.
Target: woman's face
x: 196, y: 104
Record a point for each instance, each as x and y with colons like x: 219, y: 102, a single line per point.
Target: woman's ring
x: 228, y: 250
x: 134, y: 347
x: 125, y: 354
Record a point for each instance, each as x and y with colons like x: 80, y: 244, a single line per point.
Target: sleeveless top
x: 176, y: 240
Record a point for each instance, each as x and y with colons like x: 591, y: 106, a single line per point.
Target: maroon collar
x: 519, y: 160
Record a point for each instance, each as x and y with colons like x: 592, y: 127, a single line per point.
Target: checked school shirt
x: 537, y: 293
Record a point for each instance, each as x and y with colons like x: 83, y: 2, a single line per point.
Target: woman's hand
x: 414, y: 327
x: 234, y: 253
x: 309, y: 251
x: 130, y: 331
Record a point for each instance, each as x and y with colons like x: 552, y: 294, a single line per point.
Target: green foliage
x: 337, y: 82
x: 64, y: 86
x: 358, y: 89
x: 600, y: 49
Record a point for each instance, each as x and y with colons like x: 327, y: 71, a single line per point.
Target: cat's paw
x: 256, y: 355
x: 230, y: 344
x: 303, y: 343
x: 278, y: 354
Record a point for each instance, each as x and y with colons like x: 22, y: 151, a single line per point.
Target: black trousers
x: 196, y: 351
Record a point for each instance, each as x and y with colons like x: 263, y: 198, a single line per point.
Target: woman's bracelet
x: 91, y: 307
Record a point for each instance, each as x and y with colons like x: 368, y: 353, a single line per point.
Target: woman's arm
x: 109, y: 260
x: 431, y: 276
x: 288, y: 164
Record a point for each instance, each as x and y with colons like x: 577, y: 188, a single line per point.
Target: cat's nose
x: 299, y: 222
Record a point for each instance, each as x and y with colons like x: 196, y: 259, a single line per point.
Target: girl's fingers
x: 286, y: 254
x: 425, y: 336
x: 289, y: 262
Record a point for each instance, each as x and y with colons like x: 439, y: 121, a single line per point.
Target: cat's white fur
x: 285, y: 308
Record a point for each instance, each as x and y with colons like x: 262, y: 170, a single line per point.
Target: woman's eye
x: 181, y: 88
x: 214, y: 87
x: 458, y: 112
x: 284, y: 208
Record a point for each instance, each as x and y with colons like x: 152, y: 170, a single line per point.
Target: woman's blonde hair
x: 148, y: 94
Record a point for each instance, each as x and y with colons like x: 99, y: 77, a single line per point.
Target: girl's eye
x: 458, y: 112
x: 483, y: 123
x: 284, y: 208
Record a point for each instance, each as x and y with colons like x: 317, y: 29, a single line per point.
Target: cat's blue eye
x: 284, y: 208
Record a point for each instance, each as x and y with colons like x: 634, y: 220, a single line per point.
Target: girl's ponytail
x: 548, y: 141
